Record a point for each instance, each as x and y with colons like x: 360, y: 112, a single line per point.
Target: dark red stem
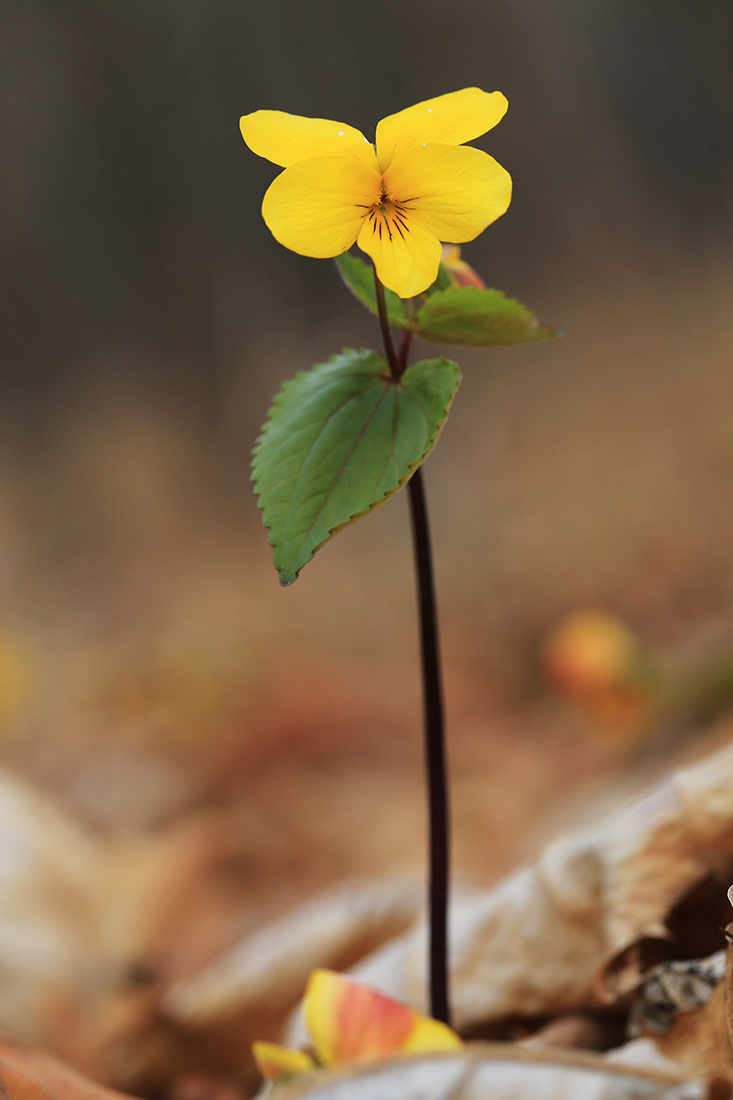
x: 435, y: 755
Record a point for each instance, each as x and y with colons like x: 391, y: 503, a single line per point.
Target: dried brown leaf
x: 569, y: 934
x: 29, y: 1075
x: 502, y: 1072
x: 546, y: 940
x: 92, y: 930
x: 699, y: 1041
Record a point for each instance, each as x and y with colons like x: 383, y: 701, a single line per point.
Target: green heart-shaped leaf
x: 339, y: 440
x: 479, y: 318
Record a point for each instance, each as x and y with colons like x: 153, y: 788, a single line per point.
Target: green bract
x: 451, y: 314
x: 339, y: 440
x: 480, y: 318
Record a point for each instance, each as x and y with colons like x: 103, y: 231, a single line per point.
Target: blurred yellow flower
x: 350, y: 1022
x: 421, y: 185
x: 595, y: 661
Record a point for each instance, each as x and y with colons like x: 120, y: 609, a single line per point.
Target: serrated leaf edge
x: 412, y: 466
x: 534, y: 324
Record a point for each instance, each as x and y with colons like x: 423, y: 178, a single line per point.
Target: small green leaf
x: 480, y: 318
x: 359, y: 278
x: 339, y: 440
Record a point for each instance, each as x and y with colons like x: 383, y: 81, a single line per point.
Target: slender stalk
x: 404, y: 350
x: 390, y: 352
x: 435, y: 755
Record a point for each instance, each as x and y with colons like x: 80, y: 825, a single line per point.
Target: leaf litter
x: 608, y: 951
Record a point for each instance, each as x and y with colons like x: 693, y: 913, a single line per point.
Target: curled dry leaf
x: 92, y: 930
x: 699, y: 1041
x: 271, y: 966
x: 503, y: 1072
x: 28, y: 1075
x: 568, y: 934
x: 671, y: 988
x: 685, y: 1011
x: 77, y: 911
x: 248, y: 993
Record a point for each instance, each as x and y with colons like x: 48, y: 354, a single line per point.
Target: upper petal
x: 448, y: 119
x: 316, y: 206
x: 405, y: 253
x: 285, y: 139
x: 454, y: 191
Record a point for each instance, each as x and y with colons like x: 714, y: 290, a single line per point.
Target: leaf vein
x: 334, y: 482
x: 326, y: 420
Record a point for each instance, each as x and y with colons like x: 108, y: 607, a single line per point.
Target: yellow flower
x: 350, y: 1022
x: 420, y: 185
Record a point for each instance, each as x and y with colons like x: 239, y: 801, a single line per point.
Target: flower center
x: 387, y: 215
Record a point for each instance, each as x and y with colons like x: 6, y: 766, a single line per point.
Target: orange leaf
x: 352, y: 1022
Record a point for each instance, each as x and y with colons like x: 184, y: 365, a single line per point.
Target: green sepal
x: 478, y: 318
x: 359, y: 278
x: 340, y: 440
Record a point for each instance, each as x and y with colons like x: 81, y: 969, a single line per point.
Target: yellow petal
x: 274, y: 1061
x: 430, y: 1035
x: 405, y: 254
x: 448, y: 119
x: 285, y: 139
x: 316, y: 207
x: 454, y: 191
x: 352, y: 1022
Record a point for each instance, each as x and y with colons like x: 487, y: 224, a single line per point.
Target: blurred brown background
x: 154, y: 666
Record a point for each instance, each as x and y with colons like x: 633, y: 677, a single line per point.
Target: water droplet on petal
x: 341, y: 133
x: 430, y: 110
x: 423, y: 145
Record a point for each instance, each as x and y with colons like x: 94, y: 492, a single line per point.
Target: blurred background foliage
x: 148, y: 316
